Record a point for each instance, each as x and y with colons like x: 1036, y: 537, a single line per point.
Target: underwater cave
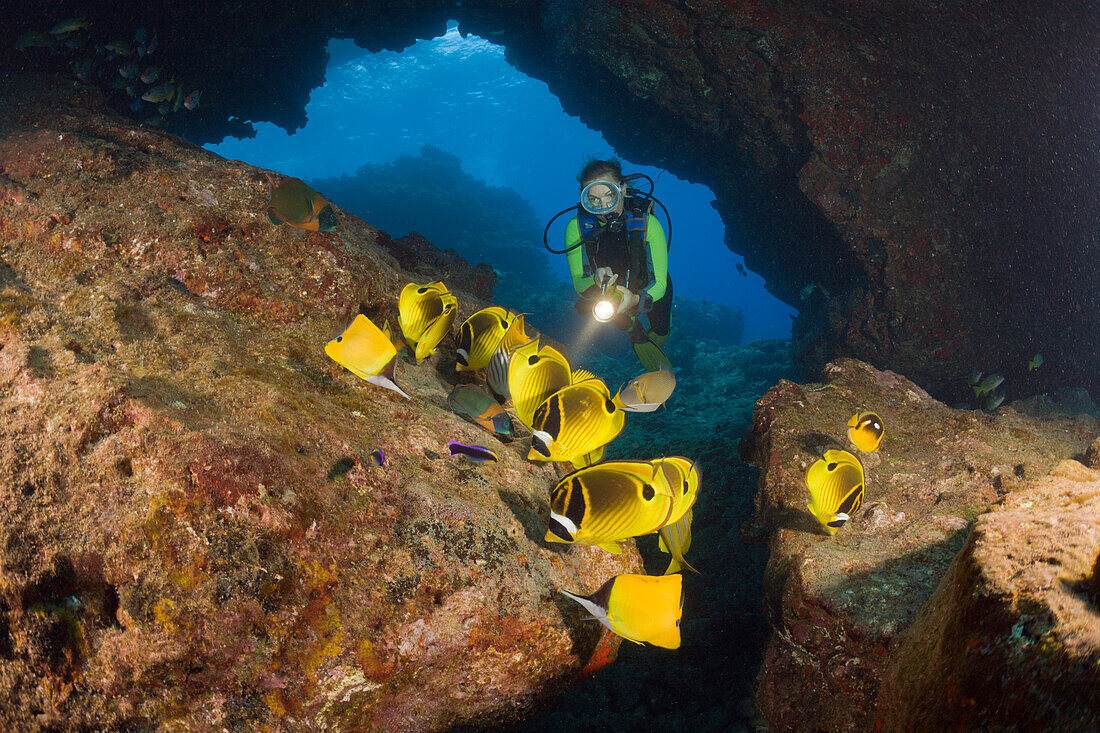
x: 879, y: 217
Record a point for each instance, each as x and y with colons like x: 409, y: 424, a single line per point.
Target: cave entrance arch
x: 458, y: 93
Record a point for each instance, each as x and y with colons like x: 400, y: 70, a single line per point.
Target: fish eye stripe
x: 577, y: 506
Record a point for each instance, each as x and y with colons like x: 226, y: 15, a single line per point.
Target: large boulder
x: 193, y: 533
x: 851, y: 613
x: 1012, y: 633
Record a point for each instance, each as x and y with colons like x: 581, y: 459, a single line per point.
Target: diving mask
x: 601, y: 197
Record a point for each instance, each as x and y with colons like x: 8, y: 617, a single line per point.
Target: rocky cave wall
x: 933, y: 167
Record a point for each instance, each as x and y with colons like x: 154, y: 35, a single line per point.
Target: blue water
x: 461, y: 95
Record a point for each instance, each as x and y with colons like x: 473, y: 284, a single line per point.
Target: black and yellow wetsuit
x: 641, y: 264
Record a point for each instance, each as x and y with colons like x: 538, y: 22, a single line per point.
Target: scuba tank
x: 594, y: 229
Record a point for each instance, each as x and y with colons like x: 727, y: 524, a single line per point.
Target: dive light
x: 608, y: 303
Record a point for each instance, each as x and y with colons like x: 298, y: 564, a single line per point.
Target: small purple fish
x: 378, y: 458
x: 476, y: 453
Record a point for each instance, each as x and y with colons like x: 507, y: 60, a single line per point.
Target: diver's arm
x: 575, y: 258
x: 658, y: 255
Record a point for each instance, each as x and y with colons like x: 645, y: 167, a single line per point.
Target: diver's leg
x: 647, y: 344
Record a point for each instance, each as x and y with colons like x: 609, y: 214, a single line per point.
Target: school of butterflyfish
x: 836, y: 480
x: 572, y: 416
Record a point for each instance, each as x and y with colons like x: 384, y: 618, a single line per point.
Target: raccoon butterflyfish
x: 479, y: 335
x: 646, y: 392
x: 865, y: 430
x: 294, y: 203
x: 496, y: 374
x: 534, y: 374
x: 639, y: 608
x: 398, y: 343
x: 479, y: 407
x: 574, y: 421
x: 836, y: 488
x: 417, y: 308
x: 611, y: 501
x: 683, y: 479
x: 367, y: 353
x: 476, y: 453
x: 438, y: 329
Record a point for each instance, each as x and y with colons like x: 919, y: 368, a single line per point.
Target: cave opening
x: 434, y: 138
x: 443, y: 137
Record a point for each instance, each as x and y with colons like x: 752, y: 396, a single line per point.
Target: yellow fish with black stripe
x: 611, y: 501
x: 535, y: 373
x: 639, y: 608
x: 573, y: 422
x: 419, y: 310
x: 438, y: 329
x: 865, y: 430
x: 417, y: 306
x: 366, y: 352
x: 479, y: 335
x: 836, y: 485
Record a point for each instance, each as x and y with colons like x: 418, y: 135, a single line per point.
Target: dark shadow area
x: 895, y: 591
x: 817, y: 443
x: 533, y: 517
x: 340, y: 468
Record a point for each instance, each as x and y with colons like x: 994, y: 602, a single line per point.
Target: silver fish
x: 192, y: 100
x: 646, y: 392
x: 163, y: 93
x: 994, y: 401
x: 496, y: 375
x: 990, y: 383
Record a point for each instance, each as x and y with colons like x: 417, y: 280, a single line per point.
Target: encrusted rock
x: 193, y: 532
x: 839, y: 605
x: 1092, y: 455
x: 1011, y: 636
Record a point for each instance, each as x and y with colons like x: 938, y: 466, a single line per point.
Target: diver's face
x: 602, y: 196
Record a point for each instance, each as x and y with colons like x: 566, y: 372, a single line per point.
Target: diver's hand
x: 604, y: 277
x: 629, y: 302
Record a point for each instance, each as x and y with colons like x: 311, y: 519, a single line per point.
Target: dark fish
x: 378, y: 458
x: 476, y: 453
x: 294, y: 203
x: 478, y: 406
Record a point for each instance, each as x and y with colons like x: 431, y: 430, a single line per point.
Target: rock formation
x: 192, y: 531
x: 902, y: 618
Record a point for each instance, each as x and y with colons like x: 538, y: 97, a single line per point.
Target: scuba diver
x: 625, y: 278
